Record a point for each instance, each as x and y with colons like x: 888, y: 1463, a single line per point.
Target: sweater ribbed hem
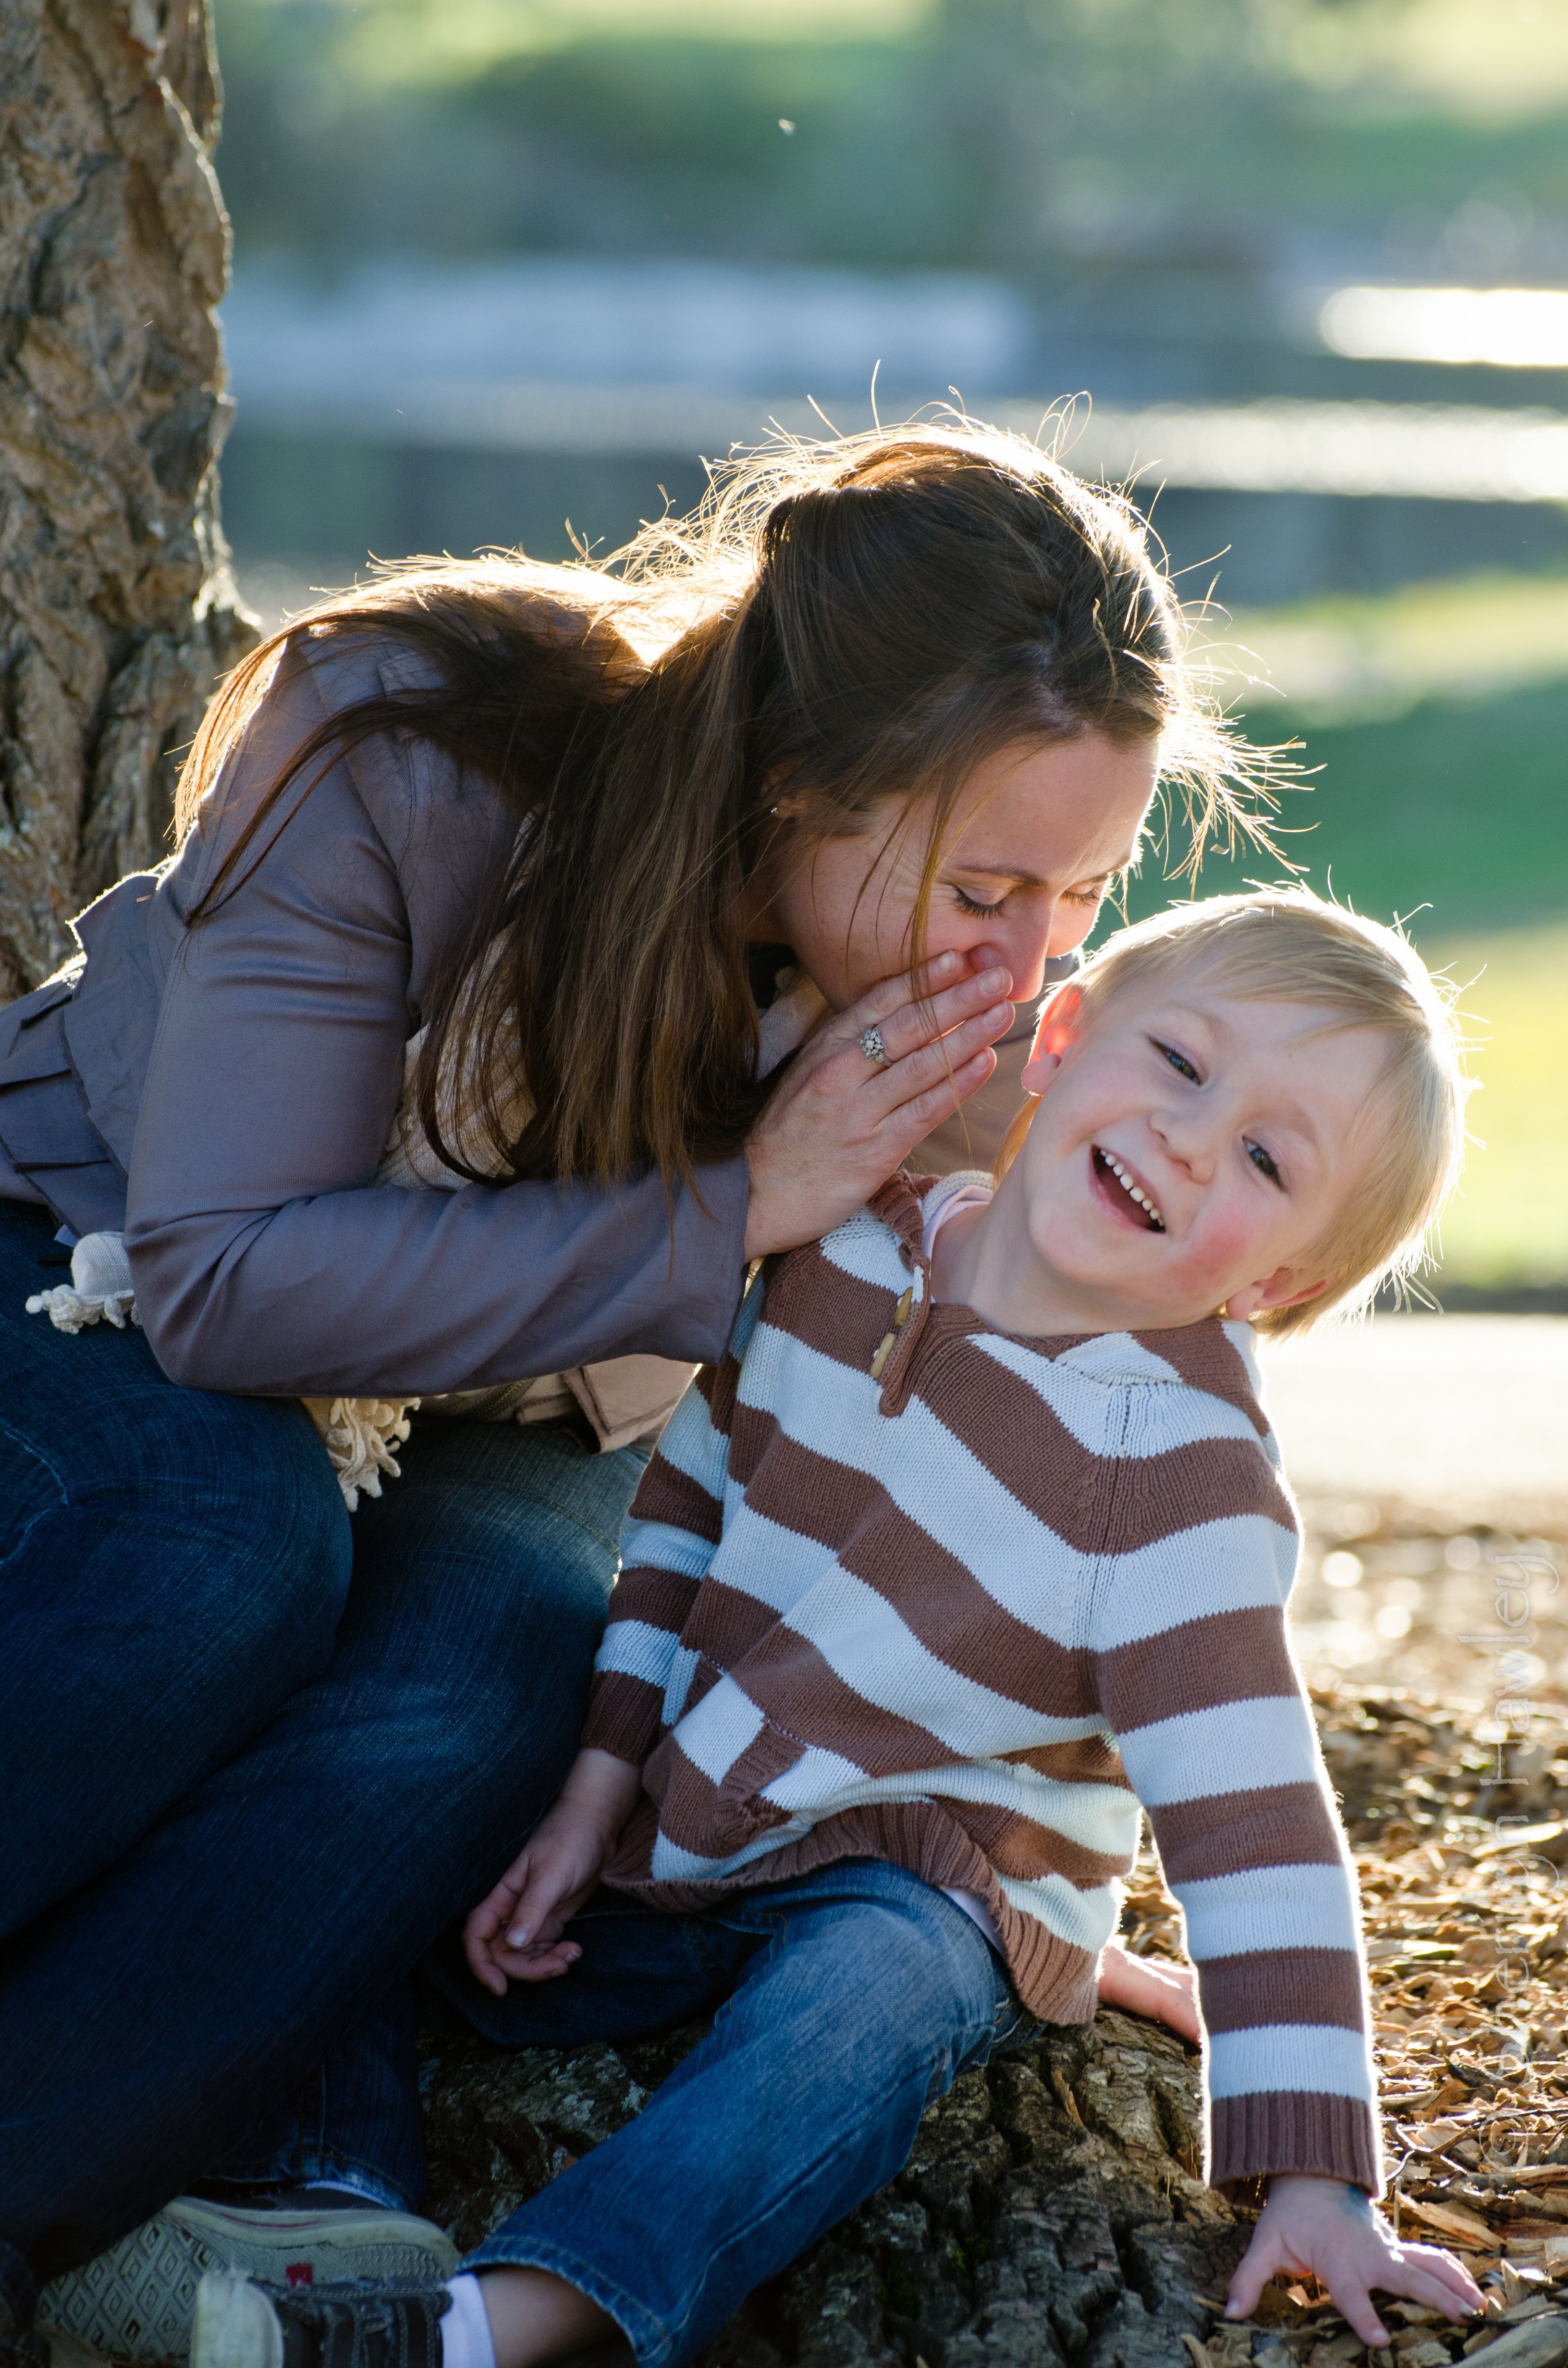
x: 1054, y: 1980
x: 1282, y: 2131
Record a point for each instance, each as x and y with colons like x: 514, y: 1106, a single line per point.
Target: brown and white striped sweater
x: 963, y: 1602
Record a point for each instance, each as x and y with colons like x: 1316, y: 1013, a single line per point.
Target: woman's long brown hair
x: 867, y: 619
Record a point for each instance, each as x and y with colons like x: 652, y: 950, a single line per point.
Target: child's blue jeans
x: 846, y: 2002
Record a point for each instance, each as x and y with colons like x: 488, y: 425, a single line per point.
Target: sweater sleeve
x: 267, y: 1257
x: 1198, y: 1681
x: 667, y: 1544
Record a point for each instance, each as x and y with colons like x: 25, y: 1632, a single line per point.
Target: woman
x: 432, y: 1063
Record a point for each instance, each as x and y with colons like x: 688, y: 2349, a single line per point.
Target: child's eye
x: 967, y: 904
x: 1178, y: 1062
x: 1263, y: 1163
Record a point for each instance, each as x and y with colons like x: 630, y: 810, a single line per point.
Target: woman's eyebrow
x: 1000, y: 872
x: 1023, y: 879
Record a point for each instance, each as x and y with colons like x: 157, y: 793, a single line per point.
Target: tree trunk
x: 1049, y: 2217
x: 117, y: 610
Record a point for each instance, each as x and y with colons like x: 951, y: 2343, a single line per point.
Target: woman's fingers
x: 914, y: 1024
x: 915, y: 1118
x: 909, y: 1014
x: 840, y: 1124
x: 937, y: 1063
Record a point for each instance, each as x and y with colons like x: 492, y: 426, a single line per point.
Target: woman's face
x: 1036, y: 837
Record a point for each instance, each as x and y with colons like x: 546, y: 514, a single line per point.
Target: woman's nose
x: 1021, y: 947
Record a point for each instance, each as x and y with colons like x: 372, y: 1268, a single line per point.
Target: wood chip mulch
x: 1462, y: 1845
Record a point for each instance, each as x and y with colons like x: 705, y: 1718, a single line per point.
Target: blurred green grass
x: 1447, y: 809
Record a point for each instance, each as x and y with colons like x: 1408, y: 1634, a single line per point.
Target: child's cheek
x: 1217, y: 1261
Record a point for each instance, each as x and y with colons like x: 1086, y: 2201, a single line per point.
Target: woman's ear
x: 1057, y: 1031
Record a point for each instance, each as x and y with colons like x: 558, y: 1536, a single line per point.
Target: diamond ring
x: 871, y: 1044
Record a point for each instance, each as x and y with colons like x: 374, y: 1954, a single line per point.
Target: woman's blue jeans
x: 847, y: 2001
x: 255, y: 1757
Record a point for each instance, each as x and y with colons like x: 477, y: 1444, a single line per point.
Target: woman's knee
x: 271, y: 1537
x: 218, y: 1517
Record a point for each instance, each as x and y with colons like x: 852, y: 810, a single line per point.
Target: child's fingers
x: 1251, y: 2273
x: 1153, y: 1987
x: 540, y: 1962
x: 484, y: 1924
x: 1428, y: 2274
x: 478, y: 1933
x: 547, y: 1898
x: 499, y: 1902
x: 550, y: 1963
x: 1355, y: 2305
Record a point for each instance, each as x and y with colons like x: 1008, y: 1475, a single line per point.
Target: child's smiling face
x: 1191, y: 1151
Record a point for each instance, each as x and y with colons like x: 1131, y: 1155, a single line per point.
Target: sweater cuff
x: 1256, y: 2137
x: 624, y: 1716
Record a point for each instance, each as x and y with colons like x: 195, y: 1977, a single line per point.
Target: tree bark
x: 1051, y: 2215
x: 118, y: 609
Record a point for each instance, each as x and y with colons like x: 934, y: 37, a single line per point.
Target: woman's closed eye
x: 1092, y: 894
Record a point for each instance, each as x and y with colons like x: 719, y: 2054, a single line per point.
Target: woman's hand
x: 1329, y: 2228
x: 841, y: 1124
x: 516, y: 1933
x: 1156, y: 1986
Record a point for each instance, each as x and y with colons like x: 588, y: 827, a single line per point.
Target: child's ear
x: 1053, y: 1038
x: 1283, y: 1288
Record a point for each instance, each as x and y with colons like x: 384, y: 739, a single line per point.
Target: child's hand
x: 516, y: 1932
x: 1327, y: 2227
x: 1150, y: 1986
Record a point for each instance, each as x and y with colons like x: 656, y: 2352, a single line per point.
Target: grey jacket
x: 223, y: 1094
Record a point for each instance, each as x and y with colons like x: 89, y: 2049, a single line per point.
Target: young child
x: 975, y: 1544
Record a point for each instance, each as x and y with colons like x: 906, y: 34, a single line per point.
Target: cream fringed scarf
x: 622, y: 1397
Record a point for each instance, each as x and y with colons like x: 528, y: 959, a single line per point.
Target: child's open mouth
x: 1122, y: 1192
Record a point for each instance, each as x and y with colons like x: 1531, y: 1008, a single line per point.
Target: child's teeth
x: 1127, y: 1186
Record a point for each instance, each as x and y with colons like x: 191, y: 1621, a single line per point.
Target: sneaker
x: 29, y: 2349
x: 136, y: 2300
x: 57, y: 2349
x: 240, y: 2323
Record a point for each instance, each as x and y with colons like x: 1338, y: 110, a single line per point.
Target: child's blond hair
x: 1285, y: 945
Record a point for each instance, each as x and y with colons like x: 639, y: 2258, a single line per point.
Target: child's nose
x: 1185, y: 1142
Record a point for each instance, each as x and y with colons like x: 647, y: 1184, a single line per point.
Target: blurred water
x: 417, y: 406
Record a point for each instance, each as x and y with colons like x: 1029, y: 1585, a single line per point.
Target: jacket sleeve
x: 265, y: 1257
x: 1198, y: 1684
x: 668, y: 1540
